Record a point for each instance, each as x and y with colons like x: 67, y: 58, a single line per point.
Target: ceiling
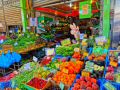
x: 61, y: 6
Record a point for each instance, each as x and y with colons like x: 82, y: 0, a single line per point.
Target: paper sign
x: 81, y: 36
x: 100, y: 40
x: 113, y: 63
x: 61, y: 85
x: 65, y: 42
x: 50, y: 51
x: 109, y: 86
x: 33, y: 21
x: 27, y: 66
x: 85, y: 74
x: 85, y: 10
x: 35, y: 59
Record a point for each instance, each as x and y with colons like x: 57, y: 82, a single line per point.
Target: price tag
x: 50, y: 51
x: 100, y: 40
x: 85, y: 74
x: 82, y: 36
x: 113, y: 63
x: 35, y: 59
x: 61, y: 85
x: 76, y: 49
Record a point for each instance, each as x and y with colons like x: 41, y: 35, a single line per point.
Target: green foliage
x: 67, y: 50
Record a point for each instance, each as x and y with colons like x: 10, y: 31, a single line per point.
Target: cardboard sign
x: 50, y: 51
x: 65, y: 42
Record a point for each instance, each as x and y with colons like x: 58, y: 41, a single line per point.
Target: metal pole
x: 4, y: 18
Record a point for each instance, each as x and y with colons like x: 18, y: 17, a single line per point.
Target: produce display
x: 54, y: 65
x: 29, y: 74
x: 48, y: 36
x: 113, y: 70
x: 83, y: 66
x: 66, y: 50
x: 95, y: 70
x: 37, y: 83
x: 65, y: 78
x: 23, y: 41
x: 71, y: 67
x: 86, y: 83
x: 98, y: 54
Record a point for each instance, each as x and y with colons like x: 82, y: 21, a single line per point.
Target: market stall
x: 61, y: 51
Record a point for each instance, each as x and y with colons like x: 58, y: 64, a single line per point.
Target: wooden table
x: 30, y: 48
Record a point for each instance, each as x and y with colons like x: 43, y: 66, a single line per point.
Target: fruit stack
x: 85, y: 83
x: 97, y: 58
x: 71, y: 67
x: 37, y: 83
x: 65, y: 78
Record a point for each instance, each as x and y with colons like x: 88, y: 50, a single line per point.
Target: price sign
x: 61, y: 86
x: 81, y: 36
x: 100, y: 40
x: 50, y: 51
x: 66, y: 42
x: 85, y: 10
x: 35, y: 59
x: 85, y: 74
x: 113, y: 63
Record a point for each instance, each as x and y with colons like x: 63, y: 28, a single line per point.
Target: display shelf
x: 30, y: 48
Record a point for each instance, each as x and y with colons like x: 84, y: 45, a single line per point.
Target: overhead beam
x: 60, y: 3
x: 41, y: 3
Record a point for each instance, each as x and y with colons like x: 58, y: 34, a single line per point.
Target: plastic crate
x: 60, y: 57
x: 4, y: 85
x: 77, y: 77
x: 101, y: 83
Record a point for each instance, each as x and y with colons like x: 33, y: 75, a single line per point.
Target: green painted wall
x: 106, y: 18
x: 24, y: 14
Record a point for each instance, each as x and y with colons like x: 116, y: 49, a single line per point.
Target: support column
x: 24, y: 14
x: 106, y: 18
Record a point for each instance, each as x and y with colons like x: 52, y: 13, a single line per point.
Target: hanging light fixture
x: 70, y: 4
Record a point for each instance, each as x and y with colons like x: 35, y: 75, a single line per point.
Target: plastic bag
x: 16, y: 56
x: 10, y: 57
x: 5, y: 61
